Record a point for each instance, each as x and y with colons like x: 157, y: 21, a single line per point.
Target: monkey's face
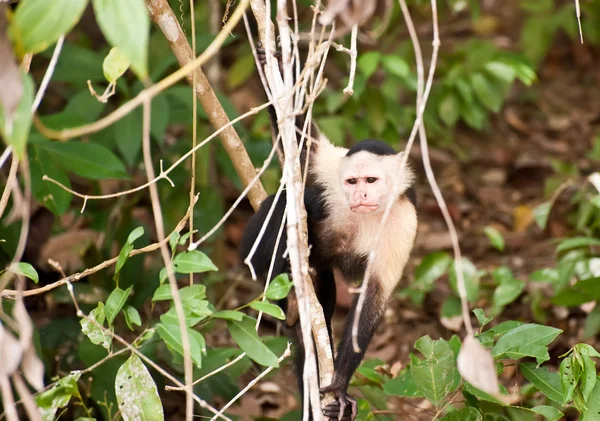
x: 364, y: 183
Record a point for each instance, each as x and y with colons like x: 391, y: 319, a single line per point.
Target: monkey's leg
x: 347, y: 361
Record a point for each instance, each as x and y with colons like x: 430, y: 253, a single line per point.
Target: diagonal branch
x: 162, y: 14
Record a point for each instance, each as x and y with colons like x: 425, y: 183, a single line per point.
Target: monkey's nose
x: 364, y: 195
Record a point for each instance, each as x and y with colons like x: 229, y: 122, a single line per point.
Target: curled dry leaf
x: 67, y: 248
x: 32, y: 366
x: 10, y: 78
x: 10, y: 352
x: 475, y: 365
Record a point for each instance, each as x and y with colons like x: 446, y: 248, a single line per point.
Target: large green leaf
x: 545, y: 381
x: 92, y: 327
x: 89, y: 160
x: 268, y: 308
x: 403, y: 385
x: 53, y: 197
x: 193, y: 262
x: 464, y: 414
x: 244, y: 334
x: 279, y: 287
x: 436, y: 376
x: 171, y: 334
x: 115, y: 302
x: 25, y: 269
x: 593, y: 405
x: 137, y: 394
x: 57, y: 396
x: 126, y: 25
x: 548, y: 412
x: 37, y: 24
x: 530, y: 340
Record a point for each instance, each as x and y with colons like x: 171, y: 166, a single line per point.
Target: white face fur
x: 367, y: 180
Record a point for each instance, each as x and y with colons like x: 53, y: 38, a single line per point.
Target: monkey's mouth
x: 364, y: 208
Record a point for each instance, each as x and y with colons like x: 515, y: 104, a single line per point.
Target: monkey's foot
x: 343, y: 409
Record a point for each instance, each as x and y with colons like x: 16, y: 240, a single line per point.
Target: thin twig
x: 286, y: 354
x: 578, y: 14
x: 12, y: 294
x: 194, y: 126
x: 163, y: 174
x: 396, y: 185
x: 164, y: 251
x: 48, y: 75
x: 12, y: 175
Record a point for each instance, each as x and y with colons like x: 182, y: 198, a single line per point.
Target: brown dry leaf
x: 514, y: 121
x: 475, y: 365
x: 67, y: 248
x: 10, y: 77
x: 10, y: 352
x: 523, y: 218
x: 453, y: 323
x: 33, y: 368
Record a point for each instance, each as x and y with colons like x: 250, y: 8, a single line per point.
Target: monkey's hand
x: 344, y: 408
x: 262, y: 54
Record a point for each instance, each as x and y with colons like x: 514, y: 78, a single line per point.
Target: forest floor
x: 496, y: 179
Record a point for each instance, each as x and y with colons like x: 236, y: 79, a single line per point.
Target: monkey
x: 345, y: 197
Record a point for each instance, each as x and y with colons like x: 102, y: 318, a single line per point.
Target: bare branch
x: 162, y: 14
x: 12, y: 294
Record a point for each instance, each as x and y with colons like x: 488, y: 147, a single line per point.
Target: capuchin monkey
x: 345, y: 198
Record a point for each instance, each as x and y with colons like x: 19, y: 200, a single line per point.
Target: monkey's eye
x: 351, y: 181
x: 371, y: 180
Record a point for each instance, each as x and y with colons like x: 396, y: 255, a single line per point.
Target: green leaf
x: 395, y: 65
x: 486, y: 92
x: 471, y: 275
x: 137, y: 394
x: 588, y: 377
x: 509, y: 289
x: 545, y: 381
x: 229, y: 315
x: 501, y: 70
x: 193, y: 262
x: 368, y: 62
x: 53, y: 197
x: 570, y: 374
x: 436, y: 376
x: 57, y: 396
x: 593, y: 405
x: 15, y: 128
x: 163, y: 292
x: 577, y: 242
x: 279, y: 287
x: 126, y: 25
x: 114, y: 65
x: 403, y: 385
x: 240, y: 71
x: 244, y: 334
x: 541, y: 213
x: 481, y: 318
x: 37, y: 24
x: 449, y: 109
x: 115, y: 302
x: 548, y: 412
x: 135, y: 234
x: 91, y: 327
x: 529, y: 340
x: 432, y: 267
x: 132, y: 317
x: 171, y: 334
x: 25, y: 269
x: 495, y: 237
x: 268, y: 308
x: 464, y: 414
x: 88, y: 160
x: 127, y: 134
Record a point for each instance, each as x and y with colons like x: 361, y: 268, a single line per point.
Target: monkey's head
x: 367, y: 176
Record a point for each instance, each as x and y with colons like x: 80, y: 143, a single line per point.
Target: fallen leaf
x: 523, y: 215
x: 68, y: 248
